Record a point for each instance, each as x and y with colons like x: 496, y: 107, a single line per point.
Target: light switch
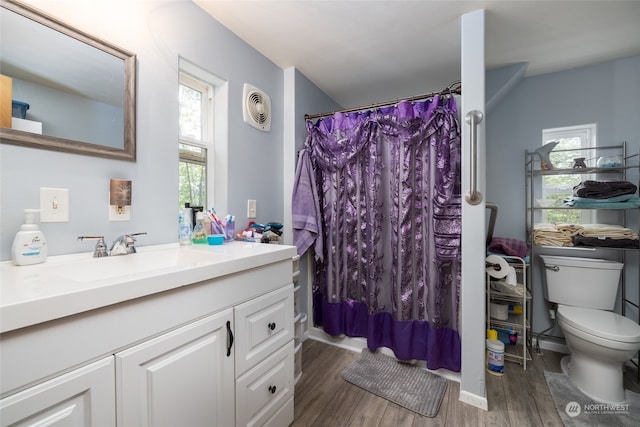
x: 251, y: 209
x: 54, y: 204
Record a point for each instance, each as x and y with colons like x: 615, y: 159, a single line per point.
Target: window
x: 196, y: 140
x: 573, y: 140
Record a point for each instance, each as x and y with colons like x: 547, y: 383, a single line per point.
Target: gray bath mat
x: 406, y: 385
x: 577, y: 409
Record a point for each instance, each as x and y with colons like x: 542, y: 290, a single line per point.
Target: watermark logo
x: 606, y: 408
x: 573, y: 409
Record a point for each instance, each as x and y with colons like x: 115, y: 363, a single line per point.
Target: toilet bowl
x: 599, y: 340
x: 600, y: 343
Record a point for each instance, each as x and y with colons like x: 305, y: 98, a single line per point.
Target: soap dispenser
x: 29, y: 246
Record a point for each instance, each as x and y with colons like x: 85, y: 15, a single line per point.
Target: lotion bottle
x: 29, y: 246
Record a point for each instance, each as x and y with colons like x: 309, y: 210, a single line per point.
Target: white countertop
x: 70, y: 284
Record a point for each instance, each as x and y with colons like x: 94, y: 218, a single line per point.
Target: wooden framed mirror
x: 80, y: 90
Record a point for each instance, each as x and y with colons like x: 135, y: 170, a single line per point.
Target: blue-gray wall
x: 161, y: 31
x: 158, y: 32
x: 607, y: 94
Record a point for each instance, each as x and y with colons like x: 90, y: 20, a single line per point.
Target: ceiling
x: 363, y: 52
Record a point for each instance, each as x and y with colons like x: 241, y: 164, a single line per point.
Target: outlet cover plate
x: 54, y: 204
x: 122, y: 214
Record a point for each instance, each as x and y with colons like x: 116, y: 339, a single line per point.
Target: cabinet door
x: 263, y: 325
x: 182, y: 378
x: 83, y: 397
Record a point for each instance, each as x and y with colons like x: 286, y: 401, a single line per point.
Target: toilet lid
x: 601, y: 323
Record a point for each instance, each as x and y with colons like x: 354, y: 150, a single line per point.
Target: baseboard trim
x: 480, y: 402
x: 555, y: 344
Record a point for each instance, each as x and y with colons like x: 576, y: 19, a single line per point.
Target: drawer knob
x: 272, y: 389
x: 272, y: 326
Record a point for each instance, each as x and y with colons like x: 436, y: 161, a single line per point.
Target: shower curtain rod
x: 453, y: 88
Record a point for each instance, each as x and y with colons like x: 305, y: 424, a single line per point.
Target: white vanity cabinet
x: 184, y: 377
x: 213, y: 347
x: 79, y: 398
x: 264, y: 360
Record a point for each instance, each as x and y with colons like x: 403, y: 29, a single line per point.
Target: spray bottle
x: 29, y: 246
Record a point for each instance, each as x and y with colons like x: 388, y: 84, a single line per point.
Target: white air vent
x: 257, y: 108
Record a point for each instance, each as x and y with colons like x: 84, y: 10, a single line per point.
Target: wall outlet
x: 251, y: 209
x: 54, y: 204
x: 119, y: 213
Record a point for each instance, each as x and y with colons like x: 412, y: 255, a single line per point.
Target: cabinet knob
x: 272, y: 389
x: 272, y: 326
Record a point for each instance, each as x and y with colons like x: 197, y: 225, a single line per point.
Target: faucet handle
x: 124, y: 244
x: 101, y: 247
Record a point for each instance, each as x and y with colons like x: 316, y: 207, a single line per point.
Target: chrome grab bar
x: 474, y: 117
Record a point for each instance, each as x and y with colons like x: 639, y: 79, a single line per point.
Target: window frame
x: 207, y: 132
x: 588, y: 137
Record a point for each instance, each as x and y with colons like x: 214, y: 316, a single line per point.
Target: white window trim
x: 217, y: 124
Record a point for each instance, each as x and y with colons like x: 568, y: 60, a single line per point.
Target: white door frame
x: 472, y: 288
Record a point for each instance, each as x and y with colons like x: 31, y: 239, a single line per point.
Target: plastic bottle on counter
x: 184, y: 225
x: 199, y: 233
x: 29, y: 246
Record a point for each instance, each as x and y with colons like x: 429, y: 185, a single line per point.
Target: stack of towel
x: 596, y: 235
x: 604, y: 195
x: 550, y: 235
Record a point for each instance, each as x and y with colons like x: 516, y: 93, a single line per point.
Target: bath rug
x: 409, y: 386
x: 577, y: 409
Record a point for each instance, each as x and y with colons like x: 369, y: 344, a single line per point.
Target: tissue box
x: 26, y: 125
x: 19, y: 109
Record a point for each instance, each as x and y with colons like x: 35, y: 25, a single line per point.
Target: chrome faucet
x: 101, y: 247
x: 124, y: 245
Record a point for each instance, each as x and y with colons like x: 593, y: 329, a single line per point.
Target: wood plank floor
x: 519, y: 398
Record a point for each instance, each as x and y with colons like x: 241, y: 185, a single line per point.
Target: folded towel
x: 549, y: 235
x: 606, y: 243
x: 603, y: 189
x: 627, y: 201
x: 569, y: 229
x: 548, y: 239
x: 607, y: 231
x: 506, y: 246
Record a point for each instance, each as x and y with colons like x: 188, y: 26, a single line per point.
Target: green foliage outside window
x: 192, y: 184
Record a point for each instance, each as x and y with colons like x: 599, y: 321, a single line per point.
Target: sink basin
x: 124, y: 266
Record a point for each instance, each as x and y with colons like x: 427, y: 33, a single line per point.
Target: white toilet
x: 600, y: 341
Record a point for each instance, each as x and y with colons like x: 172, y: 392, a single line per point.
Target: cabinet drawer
x: 262, y: 326
x: 263, y: 391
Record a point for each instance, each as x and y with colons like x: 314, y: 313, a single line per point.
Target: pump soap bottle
x: 29, y: 246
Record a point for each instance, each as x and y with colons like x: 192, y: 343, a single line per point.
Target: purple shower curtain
x: 377, y: 195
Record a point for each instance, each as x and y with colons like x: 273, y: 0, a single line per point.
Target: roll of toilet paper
x: 496, y: 266
x: 511, y: 277
x: 499, y: 311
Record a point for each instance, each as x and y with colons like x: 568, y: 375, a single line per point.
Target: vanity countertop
x: 70, y: 284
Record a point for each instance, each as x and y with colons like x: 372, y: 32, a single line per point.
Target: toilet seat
x: 600, y: 323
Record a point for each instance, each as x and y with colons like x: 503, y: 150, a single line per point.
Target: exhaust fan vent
x: 257, y: 108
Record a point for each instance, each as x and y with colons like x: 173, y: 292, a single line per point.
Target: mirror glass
x: 71, y: 91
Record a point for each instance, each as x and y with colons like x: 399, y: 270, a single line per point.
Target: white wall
x: 158, y: 32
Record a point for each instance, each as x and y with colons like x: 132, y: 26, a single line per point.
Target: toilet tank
x: 581, y: 282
